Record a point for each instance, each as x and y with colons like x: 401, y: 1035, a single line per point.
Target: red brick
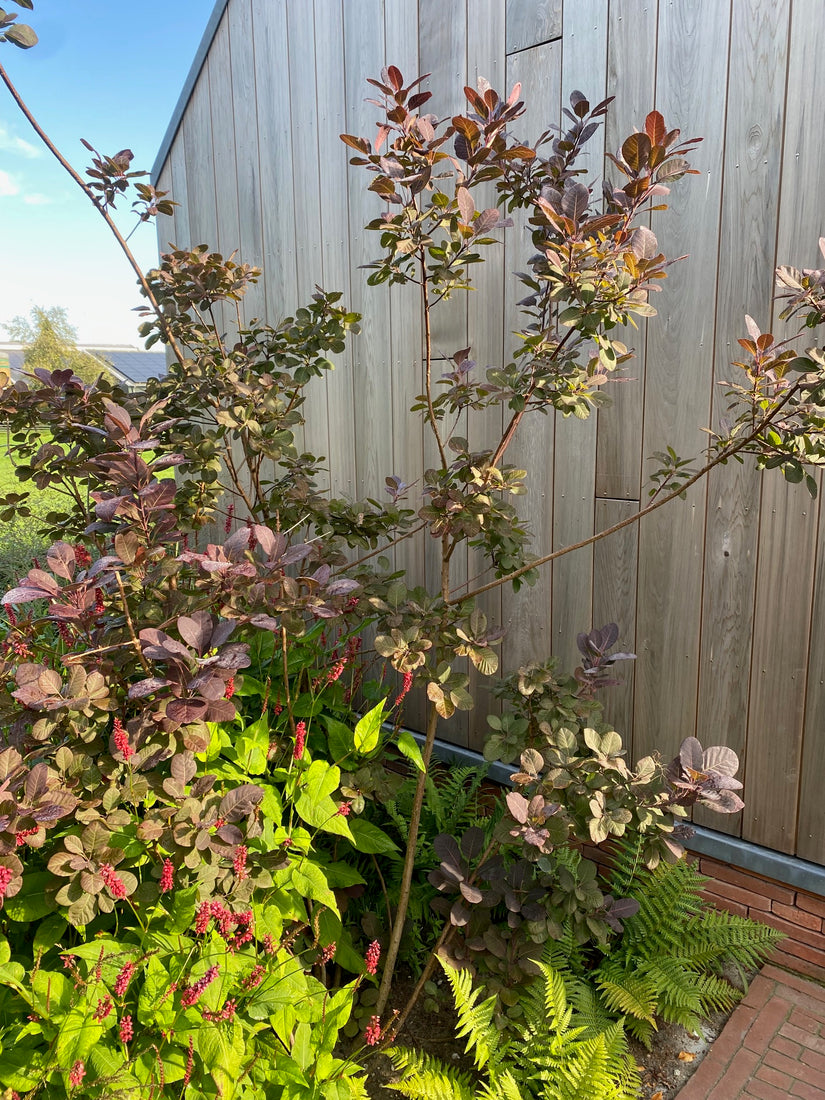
x: 810, y: 903
x: 734, y: 1032
x: 786, y: 1046
x: 759, y: 991
x: 797, y: 916
x: 799, y: 966
x: 763, y: 1090
x: 705, y: 1077
x: 806, y: 1021
x: 814, y: 1060
x: 806, y: 1091
x: 745, y: 897
x: 804, y: 1038
x: 719, y: 902
x: 767, y: 1023
x: 736, y: 1076
x: 774, y: 1077
x: 794, y: 982
x: 791, y: 1066
x: 794, y: 932
x: 764, y: 887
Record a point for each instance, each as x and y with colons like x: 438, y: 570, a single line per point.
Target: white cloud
x: 36, y: 199
x: 8, y: 185
x: 11, y: 143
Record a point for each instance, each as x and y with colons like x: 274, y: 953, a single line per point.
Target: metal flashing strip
x: 782, y: 868
x: 188, y: 85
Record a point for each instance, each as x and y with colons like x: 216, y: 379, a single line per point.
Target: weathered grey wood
x: 334, y: 271
x: 614, y: 601
x: 810, y: 841
x: 631, y: 78
x: 584, y: 67
x: 531, y: 22
x: 198, y: 160
x: 166, y: 222
x: 691, y: 86
x: 247, y: 164
x: 787, y: 542
x: 750, y: 193
x: 486, y: 60
x: 527, y: 614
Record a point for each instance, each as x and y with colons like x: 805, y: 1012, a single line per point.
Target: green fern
x: 547, y: 1057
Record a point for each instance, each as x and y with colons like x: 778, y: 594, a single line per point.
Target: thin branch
x: 81, y: 183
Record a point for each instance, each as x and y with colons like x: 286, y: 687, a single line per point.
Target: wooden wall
x: 722, y: 596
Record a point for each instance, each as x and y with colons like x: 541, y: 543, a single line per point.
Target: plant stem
x: 723, y: 456
x: 130, y: 624
x: 409, y: 866
x: 147, y: 290
x: 428, y: 360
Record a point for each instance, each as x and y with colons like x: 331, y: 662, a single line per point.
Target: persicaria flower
x: 269, y: 944
x: 126, y: 1031
x: 82, y: 556
x: 10, y: 614
x: 239, y: 863
x: 336, y: 670
x: 124, y: 977
x: 203, y: 917
x: 229, y: 690
x: 116, y: 885
x: 372, y: 956
x: 21, y: 836
x: 405, y: 688
x: 121, y: 739
x: 99, y: 605
x: 76, y: 1074
x: 300, y: 740
x: 192, y: 993
x: 104, y: 1007
x: 254, y: 977
x: 344, y: 809
x: 64, y: 632
x: 326, y: 953
x: 167, y: 877
x: 227, y: 525
x: 190, y: 1062
x: 372, y: 1034
x: 6, y: 875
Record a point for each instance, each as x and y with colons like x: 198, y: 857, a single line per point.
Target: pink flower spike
x: 76, y: 1074
x: 123, y: 979
x: 372, y: 1034
x: 167, y: 877
x: 344, y: 809
x: 300, y: 740
x: 239, y: 863
x: 126, y: 1030
x: 121, y: 739
x: 111, y: 879
x: 6, y: 875
x: 372, y: 956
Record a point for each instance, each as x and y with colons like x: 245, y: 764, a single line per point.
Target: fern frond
x: 504, y: 1087
x: 628, y: 992
x: 589, y: 1011
x: 427, y: 1078
x: 474, y: 1020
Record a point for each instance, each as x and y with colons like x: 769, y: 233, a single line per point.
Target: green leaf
x: 52, y: 993
x: 311, y: 882
x: 408, y: 746
x: 285, y: 989
x: 31, y: 902
x: 368, y: 730
x: 314, y: 804
x: 5, y: 950
x: 340, y: 736
x: 22, y: 35
x: 371, y: 840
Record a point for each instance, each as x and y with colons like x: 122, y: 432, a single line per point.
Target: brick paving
x: 772, y: 1047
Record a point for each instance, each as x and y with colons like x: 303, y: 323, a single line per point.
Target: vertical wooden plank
x: 247, y: 165
x: 306, y: 193
x: 584, y: 67
x: 198, y: 158
x: 486, y: 59
x: 364, y: 52
x: 227, y: 240
x: 531, y: 22
x: 275, y: 149
x: 180, y: 193
x: 527, y: 614
x: 631, y: 77
x: 334, y: 245
x: 442, y: 45
x: 691, y: 88
x: 165, y: 223
x: 810, y: 843
x: 787, y: 537
x: 614, y: 601
x: 753, y: 150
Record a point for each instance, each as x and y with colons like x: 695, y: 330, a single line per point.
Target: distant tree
x: 51, y: 343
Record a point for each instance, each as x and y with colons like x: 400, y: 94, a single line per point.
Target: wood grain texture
x: 584, y: 68
x: 631, y: 78
x: 532, y: 22
x: 224, y: 145
x: 750, y: 199
x: 486, y: 60
x: 776, y: 750
x: 247, y: 159
x: 334, y: 244
x: 527, y: 614
x: 691, y: 90
x: 614, y: 601
x: 198, y: 158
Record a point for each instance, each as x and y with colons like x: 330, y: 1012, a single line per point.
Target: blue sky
x: 111, y: 72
